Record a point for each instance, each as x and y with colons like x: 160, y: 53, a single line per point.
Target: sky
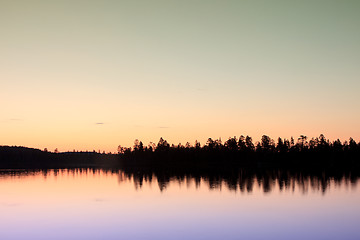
x: 97, y: 74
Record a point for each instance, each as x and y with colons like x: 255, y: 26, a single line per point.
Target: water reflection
x: 242, y: 180
x: 245, y: 180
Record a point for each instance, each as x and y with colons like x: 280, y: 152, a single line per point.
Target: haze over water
x: 99, y: 204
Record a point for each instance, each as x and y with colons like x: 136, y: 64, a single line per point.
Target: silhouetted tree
x: 136, y: 145
x: 267, y: 144
x: 210, y: 143
x: 241, y: 143
x: 302, y: 141
x: 162, y: 145
x: 141, y: 146
x: 312, y: 144
x: 120, y: 149
x: 292, y: 142
x: 249, y: 144
x: 337, y: 145
x: 231, y: 144
x: 152, y: 146
x: 281, y: 147
x: 352, y: 144
x: 197, y: 145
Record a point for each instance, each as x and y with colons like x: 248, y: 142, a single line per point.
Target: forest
x: 243, y: 151
x: 240, y: 151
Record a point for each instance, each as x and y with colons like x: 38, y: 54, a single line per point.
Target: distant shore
x: 319, y: 153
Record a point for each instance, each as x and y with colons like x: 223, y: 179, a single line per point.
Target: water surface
x: 101, y: 204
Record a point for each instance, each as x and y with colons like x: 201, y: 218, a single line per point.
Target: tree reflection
x: 245, y: 180
x: 241, y: 180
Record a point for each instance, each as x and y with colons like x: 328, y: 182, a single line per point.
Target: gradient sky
x: 96, y: 74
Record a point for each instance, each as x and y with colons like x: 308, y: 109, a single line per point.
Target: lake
x: 103, y: 204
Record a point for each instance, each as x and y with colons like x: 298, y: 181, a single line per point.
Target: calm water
x: 98, y: 204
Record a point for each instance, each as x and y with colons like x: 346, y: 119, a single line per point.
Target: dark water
x: 100, y: 204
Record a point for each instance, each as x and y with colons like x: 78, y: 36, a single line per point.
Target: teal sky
x: 183, y: 70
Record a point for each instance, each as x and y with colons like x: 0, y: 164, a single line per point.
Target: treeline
x: 214, y: 154
x: 243, y: 151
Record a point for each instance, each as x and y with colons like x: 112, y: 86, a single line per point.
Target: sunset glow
x: 90, y: 75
